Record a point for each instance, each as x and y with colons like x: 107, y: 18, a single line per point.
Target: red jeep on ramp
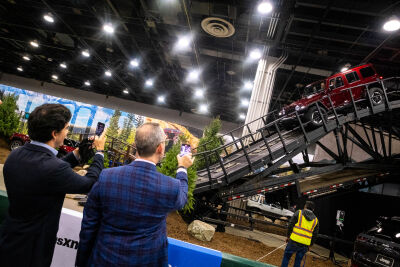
x: 334, y: 91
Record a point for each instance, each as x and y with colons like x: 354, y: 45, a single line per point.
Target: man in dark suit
x: 124, y: 220
x: 36, y: 182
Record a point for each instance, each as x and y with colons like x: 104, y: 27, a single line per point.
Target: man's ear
x: 54, y: 134
x: 159, y: 149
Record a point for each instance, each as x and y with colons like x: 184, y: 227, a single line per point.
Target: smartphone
x: 185, y: 149
x: 100, y: 128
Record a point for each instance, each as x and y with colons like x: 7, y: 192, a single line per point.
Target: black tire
x: 377, y: 96
x: 15, y: 144
x: 314, y: 117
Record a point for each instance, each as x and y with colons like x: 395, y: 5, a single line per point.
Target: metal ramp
x: 243, y: 165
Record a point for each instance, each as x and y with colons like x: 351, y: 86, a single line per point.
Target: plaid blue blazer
x: 124, y: 220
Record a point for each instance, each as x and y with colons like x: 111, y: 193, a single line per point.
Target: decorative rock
x: 201, y: 230
x: 86, y: 166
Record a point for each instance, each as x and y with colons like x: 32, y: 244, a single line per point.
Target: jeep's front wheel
x: 15, y: 144
x: 377, y: 96
x: 314, y: 116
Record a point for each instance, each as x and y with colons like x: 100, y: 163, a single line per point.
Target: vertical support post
x: 302, y: 127
x: 322, y: 116
x: 389, y: 106
x: 334, y: 110
x: 233, y: 139
x: 340, y: 153
x: 251, y: 134
x: 382, y: 142
x: 246, y: 154
x: 222, y: 143
x: 280, y: 137
x: 267, y: 145
x: 374, y: 139
x: 354, y: 103
x: 222, y: 166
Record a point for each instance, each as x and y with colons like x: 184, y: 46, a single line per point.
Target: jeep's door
x: 336, y: 92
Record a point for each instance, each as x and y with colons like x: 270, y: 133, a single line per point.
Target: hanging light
x: 393, y: 24
x: 264, y: 7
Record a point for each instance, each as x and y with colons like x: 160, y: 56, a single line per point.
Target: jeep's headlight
x: 282, y: 112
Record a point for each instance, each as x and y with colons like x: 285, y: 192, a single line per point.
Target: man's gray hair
x: 148, y: 137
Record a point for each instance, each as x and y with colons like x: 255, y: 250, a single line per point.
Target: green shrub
x: 9, y: 119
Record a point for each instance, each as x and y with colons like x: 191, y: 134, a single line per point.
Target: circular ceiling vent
x: 217, y: 27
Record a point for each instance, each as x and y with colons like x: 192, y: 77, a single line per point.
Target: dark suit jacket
x: 124, y: 220
x: 36, y: 182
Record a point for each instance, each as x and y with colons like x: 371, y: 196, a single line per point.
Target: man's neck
x: 153, y: 159
x: 51, y: 143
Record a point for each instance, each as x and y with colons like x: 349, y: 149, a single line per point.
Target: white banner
x: 67, y: 239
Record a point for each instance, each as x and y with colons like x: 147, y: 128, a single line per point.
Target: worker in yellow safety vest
x: 302, y: 232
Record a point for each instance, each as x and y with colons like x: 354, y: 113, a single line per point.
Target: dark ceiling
x: 317, y: 35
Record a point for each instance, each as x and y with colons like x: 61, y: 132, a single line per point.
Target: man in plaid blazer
x: 124, y: 221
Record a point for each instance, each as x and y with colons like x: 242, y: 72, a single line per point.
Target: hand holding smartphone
x: 185, y: 149
x: 100, y: 128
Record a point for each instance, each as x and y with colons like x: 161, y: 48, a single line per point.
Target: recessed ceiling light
x: 54, y: 77
x: 203, y: 108
x: 242, y: 116
x: 85, y: 53
x: 87, y: 83
x: 393, y: 24
x: 264, y: 7
x: 34, y: 43
x: 125, y: 91
x: 63, y: 65
x: 149, y: 82
x: 108, y: 28
x: 49, y: 18
x: 20, y: 69
x: 244, y: 103
x: 183, y: 42
x: 193, y: 76
x: 199, y: 93
x: 255, y: 54
x: 161, y: 99
x: 248, y: 85
x: 134, y: 63
x: 108, y: 73
x: 26, y: 58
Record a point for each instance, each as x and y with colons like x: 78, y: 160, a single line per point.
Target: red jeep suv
x: 19, y: 139
x: 336, y: 87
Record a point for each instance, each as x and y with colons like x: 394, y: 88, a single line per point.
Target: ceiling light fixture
x: 108, y: 73
x: 108, y: 28
x: 48, y: 17
x: 20, y: 68
x: 242, y: 116
x: 193, y: 76
x: 203, y: 108
x: 248, y: 85
x: 54, y: 77
x: 183, y: 42
x: 85, y: 53
x: 125, y: 91
x: 134, y: 63
x: 63, y: 65
x: 161, y: 99
x: 87, y: 83
x: 149, y: 83
x: 393, y: 24
x: 264, y: 7
x: 344, y: 69
x: 199, y: 93
x: 26, y: 58
x: 255, y: 54
x: 244, y: 103
x: 34, y: 43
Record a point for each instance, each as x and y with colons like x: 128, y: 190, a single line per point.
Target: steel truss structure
x: 253, y: 163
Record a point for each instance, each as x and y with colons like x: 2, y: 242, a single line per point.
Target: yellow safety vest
x: 303, y: 230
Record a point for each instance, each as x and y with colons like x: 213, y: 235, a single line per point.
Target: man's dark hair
x: 309, y: 205
x: 148, y: 137
x: 45, y: 119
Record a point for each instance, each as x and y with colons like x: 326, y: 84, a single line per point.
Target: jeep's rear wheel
x: 15, y: 144
x: 377, y: 96
x: 314, y: 116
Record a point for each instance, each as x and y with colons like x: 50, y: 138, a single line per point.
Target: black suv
x: 380, y: 246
